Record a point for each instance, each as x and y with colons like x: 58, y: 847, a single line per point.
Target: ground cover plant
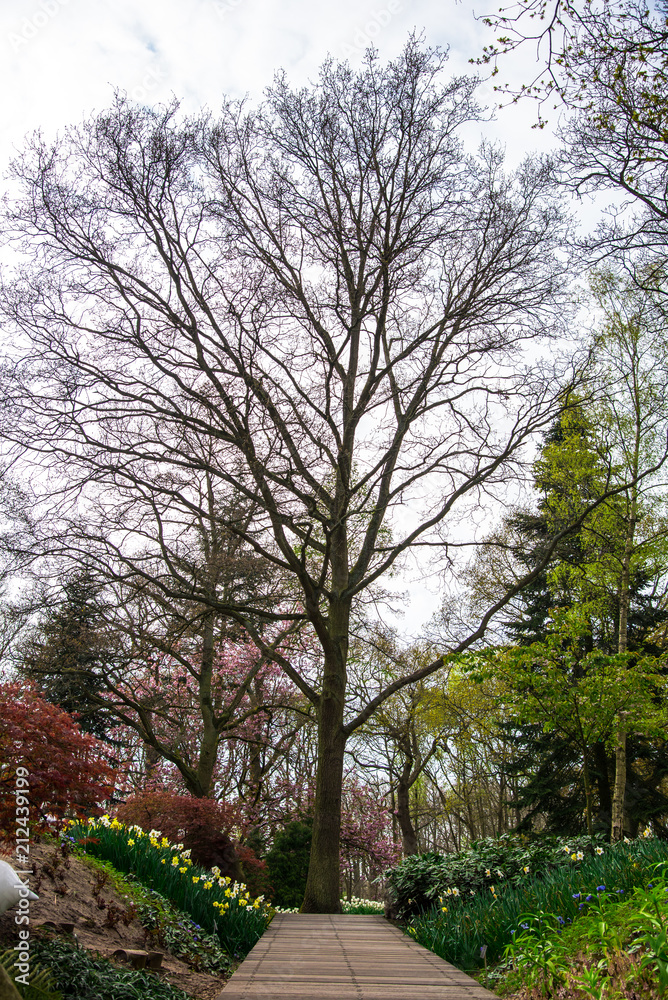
x: 613, y: 948
x: 416, y: 883
x: 472, y: 928
x: 76, y: 974
x: 167, y: 926
x: 40, y: 986
x: 214, y: 902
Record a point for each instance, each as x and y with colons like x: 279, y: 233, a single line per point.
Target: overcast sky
x: 62, y: 60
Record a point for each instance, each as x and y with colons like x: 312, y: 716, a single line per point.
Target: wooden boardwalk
x: 306, y: 957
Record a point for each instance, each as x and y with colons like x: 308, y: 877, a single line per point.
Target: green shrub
x: 287, y: 863
x: 416, y: 883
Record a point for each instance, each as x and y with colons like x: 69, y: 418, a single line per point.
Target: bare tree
x: 321, y: 303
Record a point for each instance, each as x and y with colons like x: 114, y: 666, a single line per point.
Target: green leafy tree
x: 579, y: 692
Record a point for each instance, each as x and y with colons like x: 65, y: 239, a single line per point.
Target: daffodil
x: 183, y: 870
x: 599, y: 850
x: 131, y: 842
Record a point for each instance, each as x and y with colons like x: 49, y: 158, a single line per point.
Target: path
x: 306, y: 957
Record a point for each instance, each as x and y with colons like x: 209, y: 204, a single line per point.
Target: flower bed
x: 214, y: 901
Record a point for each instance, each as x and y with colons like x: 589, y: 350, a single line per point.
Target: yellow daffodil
x: 208, y: 885
x: 183, y: 870
x: 131, y: 842
x: 196, y: 879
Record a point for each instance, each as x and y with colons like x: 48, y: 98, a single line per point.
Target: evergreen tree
x: 66, y: 656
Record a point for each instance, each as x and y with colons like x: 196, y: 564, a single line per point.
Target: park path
x: 345, y: 957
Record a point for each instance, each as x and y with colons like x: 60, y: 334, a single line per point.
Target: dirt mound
x: 73, y: 897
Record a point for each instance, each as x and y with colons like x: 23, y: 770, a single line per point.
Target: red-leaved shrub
x: 68, y: 772
x: 201, y: 825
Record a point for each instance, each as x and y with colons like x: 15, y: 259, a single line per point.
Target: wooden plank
x: 345, y: 957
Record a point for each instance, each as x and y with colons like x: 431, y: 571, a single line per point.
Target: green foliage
x: 175, y: 931
x: 287, y: 863
x: 215, y: 903
x: 68, y: 655
x: 541, y: 954
x: 77, y: 975
x: 457, y: 927
x: 168, y: 927
x: 40, y: 980
x: 416, y: 883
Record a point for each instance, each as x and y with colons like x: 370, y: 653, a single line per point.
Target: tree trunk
x: 408, y: 835
x: 617, y: 831
x: 322, y: 885
x: 617, y: 828
x: 208, y: 748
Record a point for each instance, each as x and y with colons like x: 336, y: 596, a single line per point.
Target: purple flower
x: 589, y: 898
x: 600, y: 888
x: 576, y: 895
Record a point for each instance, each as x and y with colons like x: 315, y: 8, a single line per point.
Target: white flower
x: 599, y: 850
x: 455, y: 892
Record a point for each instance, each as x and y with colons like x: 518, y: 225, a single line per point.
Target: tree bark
x: 322, y: 893
x: 619, y: 793
x: 408, y: 835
